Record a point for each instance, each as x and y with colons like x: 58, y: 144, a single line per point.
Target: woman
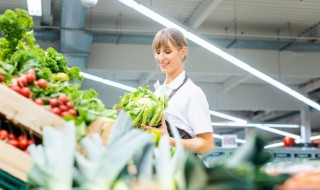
x: 188, y: 108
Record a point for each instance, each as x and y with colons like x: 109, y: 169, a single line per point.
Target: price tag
x: 217, y: 154
x: 229, y: 141
x: 302, y: 155
x: 282, y: 155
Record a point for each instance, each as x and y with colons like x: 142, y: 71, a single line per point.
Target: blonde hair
x: 162, y: 38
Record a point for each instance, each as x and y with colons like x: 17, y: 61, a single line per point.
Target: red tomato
x: 63, y: 99
x: 26, y: 92
x: 4, y: 134
x: 1, y: 78
x: 54, y: 103
x: 13, y: 142
x: 288, y: 141
x: 31, y: 71
x: 22, y: 81
x: 39, y: 101
x: 15, y: 88
x: 42, y: 83
x: 65, y: 113
x: 69, y: 104
x: 31, y: 77
x: 55, y: 110
x: 73, y: 112
x: 21, y: 137
x: 11, y: 136
x: 23, y: 143
x: 63, y: 108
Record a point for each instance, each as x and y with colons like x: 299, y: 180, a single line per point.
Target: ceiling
x: 279, y: 38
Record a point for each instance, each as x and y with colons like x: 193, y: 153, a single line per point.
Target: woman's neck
x: 171, y: 76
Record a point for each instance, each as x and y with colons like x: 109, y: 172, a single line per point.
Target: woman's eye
x: 168, y: 52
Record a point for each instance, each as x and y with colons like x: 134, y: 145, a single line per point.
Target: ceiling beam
x: 202, y: 12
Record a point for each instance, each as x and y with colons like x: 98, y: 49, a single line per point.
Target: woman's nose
x: 161, y: 55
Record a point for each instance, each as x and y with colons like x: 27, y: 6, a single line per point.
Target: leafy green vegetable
x: 53, y: 161
x: 18, y: 48
x: 104, y: 164
x: 143, y: 106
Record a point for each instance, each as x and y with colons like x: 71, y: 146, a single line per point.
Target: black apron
x: 183, y: 134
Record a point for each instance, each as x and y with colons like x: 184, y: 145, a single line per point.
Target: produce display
x: 127, y: 157
x: 43, y: 76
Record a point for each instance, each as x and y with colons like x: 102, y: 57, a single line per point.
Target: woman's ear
x: 183, y: 52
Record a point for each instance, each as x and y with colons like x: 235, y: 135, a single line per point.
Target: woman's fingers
x: 147, y: 127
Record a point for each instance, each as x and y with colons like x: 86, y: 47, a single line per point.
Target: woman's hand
x: 163, y: 128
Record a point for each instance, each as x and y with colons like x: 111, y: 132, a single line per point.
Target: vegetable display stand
x: 14, y: 162
x: 24, y: 113
x: 9, y: 182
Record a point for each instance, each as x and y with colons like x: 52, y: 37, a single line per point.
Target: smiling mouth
x: 163, y: 65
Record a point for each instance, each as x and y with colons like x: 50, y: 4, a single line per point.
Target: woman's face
x: 170, y: 58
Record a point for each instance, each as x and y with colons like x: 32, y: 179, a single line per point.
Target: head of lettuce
x: 143, y: 106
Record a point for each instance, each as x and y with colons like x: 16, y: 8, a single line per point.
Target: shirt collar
x: 176, y: 82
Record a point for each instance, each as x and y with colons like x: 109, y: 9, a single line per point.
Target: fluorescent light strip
x: 162, y: 20
x: 277, y: 131
x: 221, y: 137
x: 222, y: 115
x: 108, y: 82
x: 236, y: 124
x: 274, y: 145
x: 315, y: 137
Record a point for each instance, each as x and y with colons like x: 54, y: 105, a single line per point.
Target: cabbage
x: 143, y: 106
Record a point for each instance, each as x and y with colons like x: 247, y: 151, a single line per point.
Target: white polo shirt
x: 188, y: 108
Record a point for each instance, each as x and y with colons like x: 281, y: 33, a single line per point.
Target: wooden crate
x: 14, y: 161
x: 25, y: 113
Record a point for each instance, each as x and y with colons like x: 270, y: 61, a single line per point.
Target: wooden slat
x: 25, y: 113
x: 14, y: 161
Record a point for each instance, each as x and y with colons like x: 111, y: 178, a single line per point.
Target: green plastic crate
x: 8, y: 182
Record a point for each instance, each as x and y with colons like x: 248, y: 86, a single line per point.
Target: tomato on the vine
x: 63, y: 99
x: 31, y: 77
x: 39, y: 101
x: 42, y: 83
x: 26, y: 92
x: 288, y: 141
x: 4, y: 134
x: 1, y: 78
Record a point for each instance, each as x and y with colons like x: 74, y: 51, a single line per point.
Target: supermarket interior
x: 160, y: 94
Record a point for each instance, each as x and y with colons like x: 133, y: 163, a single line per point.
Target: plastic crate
x: 9, y: 182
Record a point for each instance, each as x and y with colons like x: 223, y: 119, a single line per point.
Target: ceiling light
x: 279, y: 132
x: 166, y: 22
x: 34, y: 7
x: 315, y: 137
x: 236, y: 124
x: 274, y: 145
x: 229, y: 117
x: 108, y: 82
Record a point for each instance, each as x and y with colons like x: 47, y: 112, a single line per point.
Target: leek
x: 53, y: 161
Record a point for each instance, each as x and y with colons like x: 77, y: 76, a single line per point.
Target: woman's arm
x: 203, y: 143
